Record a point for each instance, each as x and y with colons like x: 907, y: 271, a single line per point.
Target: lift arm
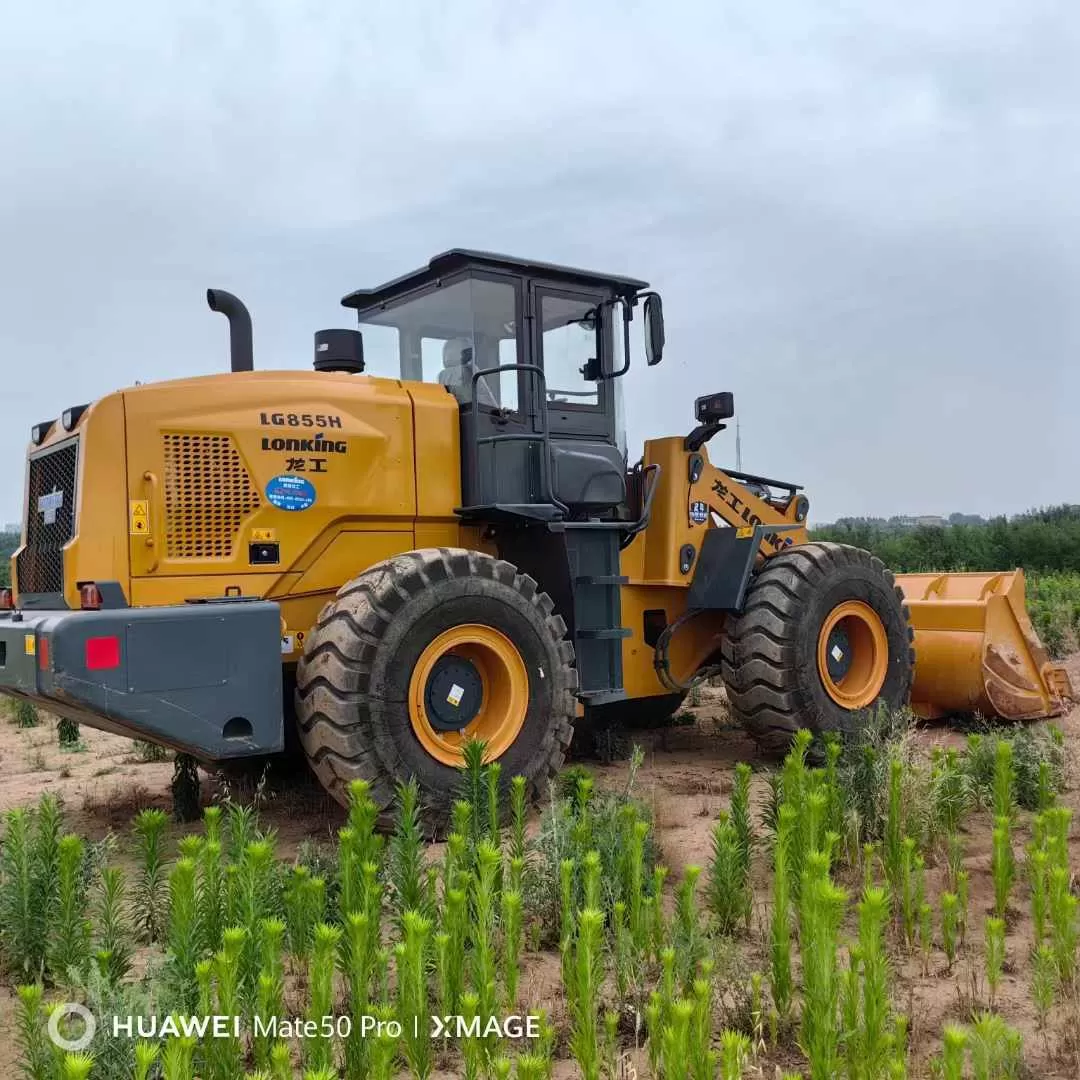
x: 736, y: 504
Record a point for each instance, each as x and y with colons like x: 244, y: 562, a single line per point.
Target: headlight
x: 72, y: 416
x: 40, y: 432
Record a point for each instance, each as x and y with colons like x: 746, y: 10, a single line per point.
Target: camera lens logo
x: 59, y: 1014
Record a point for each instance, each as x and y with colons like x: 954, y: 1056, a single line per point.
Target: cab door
x: 500, y: 444
x: 571, y: 340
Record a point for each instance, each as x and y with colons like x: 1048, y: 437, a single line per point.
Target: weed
x: 149, y: 751
x: 149, y: 891
x: 741, y: 820
x: 1002, y: 864
x: 512, y: 940
x: 873, y: 1039
x: 951, y: 788
x: 782, y: 982
x: 995, y: 953
x: 894, y: 852
x: 184, y: 937
x: 614, y: 824
x: 1043, y: 982
x: 995, y: 1049
x: 26, y: 714
x: 952, y: 1057
x: 583, y: 991
x: 822, y: 907
x: 1003, y: 779
x: 185, y: 788
x: 688, y: 934
x: 950, y: 926
x: 909, y: 888
x: 962, y: 885
x: 67, y: 734
x: 69, y: 946
x: 1063, y: 927
x: 727, y: 889
x: 734, y: 1052
x: 409, y: 881
x: 33, y: 1042
x: 926, y: 935
x: 1030, y: 772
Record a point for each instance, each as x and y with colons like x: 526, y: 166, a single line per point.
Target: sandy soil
x: 686, y: 778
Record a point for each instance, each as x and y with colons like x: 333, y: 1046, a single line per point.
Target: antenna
x: 738, y: 448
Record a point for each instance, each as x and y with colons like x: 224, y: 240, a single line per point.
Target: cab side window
x: 569, y: 344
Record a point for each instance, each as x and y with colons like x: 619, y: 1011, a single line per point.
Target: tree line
x: 1041, y: 541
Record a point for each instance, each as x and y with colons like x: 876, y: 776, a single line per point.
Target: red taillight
x: 7, y: 600
x: 90, y: 597
x: 102, y: 653
x: 43, y: 653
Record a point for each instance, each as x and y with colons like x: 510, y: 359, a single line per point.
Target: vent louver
x: 208, y: 494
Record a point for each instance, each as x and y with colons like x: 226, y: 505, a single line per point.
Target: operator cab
x: 533, y: 353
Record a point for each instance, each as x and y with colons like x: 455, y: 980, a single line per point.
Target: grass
x: 1053, y: 601
x: 858, y: 877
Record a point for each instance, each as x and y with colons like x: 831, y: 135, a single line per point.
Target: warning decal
x: 140, y: 517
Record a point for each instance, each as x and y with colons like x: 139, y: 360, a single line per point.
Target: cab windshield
x: 445, y: 335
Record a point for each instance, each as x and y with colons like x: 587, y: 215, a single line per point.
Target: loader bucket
x: 976, y: 650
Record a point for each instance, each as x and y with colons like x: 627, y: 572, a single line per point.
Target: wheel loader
x: 438, y: 535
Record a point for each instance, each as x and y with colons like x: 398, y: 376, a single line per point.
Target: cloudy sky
x: 865, y: 222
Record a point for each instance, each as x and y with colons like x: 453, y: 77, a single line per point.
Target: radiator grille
x: 50, y: 519
x: 208, y: 494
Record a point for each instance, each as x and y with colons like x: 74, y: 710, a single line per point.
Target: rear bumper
x: 204, y: 679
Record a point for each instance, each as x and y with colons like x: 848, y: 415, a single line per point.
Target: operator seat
x: 457, y: 373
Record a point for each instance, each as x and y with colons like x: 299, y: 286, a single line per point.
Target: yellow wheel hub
x: 469, y: 683
x: 853, y: 654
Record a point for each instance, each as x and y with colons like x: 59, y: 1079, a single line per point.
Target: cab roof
x: 450, y: 262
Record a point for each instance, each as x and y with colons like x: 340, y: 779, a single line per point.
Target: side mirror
x: 654, y: 329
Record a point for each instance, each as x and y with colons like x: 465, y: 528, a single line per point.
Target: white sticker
x: 837, y: 653
x: 455, y: 695
x: 288, y: 644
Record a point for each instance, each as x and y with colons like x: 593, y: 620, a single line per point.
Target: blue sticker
x: 291, y: 492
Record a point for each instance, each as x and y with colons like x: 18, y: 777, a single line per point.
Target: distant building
x: 16, y: 528
x: 930, y: 519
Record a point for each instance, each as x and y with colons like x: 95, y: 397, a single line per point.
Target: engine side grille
x: 50, y: 519
x: 208, y: 494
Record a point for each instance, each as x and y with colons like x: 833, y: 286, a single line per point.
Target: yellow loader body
x: 444, y: 539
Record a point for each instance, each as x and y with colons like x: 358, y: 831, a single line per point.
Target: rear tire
x: 823, y: 636
x: 361, y: 714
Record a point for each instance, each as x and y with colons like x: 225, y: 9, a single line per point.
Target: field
x: 637, y: 912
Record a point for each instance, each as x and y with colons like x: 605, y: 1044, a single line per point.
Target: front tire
x: 421, y: 643
x: 823, y: 636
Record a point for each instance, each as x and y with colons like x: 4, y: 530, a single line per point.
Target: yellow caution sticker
x: 30, y: 644
x: 745, y: 532
x: 263, y: 536
x: 140, y: 517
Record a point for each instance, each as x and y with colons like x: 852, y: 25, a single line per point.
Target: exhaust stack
x: 232, y: 307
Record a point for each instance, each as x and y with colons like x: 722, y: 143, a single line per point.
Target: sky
x: 864, y: 217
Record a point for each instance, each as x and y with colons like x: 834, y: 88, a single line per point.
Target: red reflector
x: 90, y: 597
x: 7, y: 600
x: 43, y: 653
x: 102, y: 653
